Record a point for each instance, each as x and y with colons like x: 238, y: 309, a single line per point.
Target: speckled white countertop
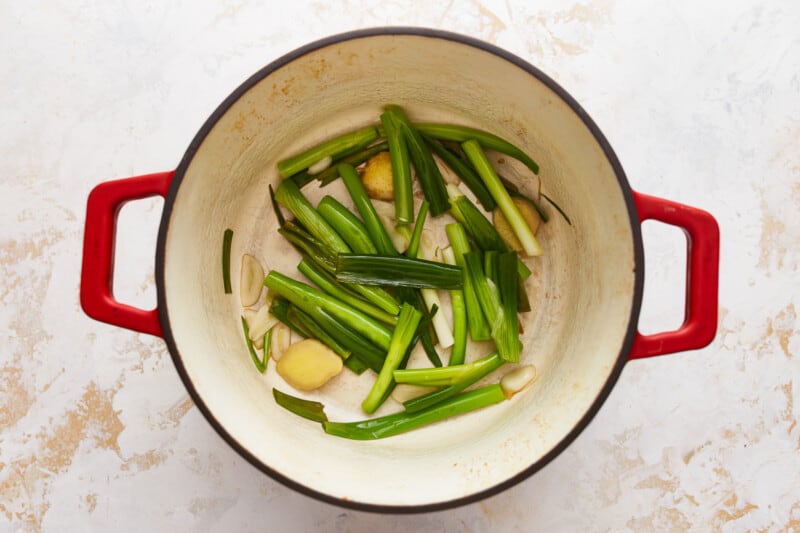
x: 700, y: 100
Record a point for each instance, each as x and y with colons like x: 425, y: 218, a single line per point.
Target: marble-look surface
x: 701, y: 101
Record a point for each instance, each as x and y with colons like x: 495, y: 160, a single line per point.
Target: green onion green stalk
x: 370, y: 355
x: 289, y: 196
x: 398, y: 271
x: 401, y: 171
x: 465, y: 172
x: 331, y: 173
x: 297, y: 315
x: 325, y: 257
x: 416, y: 236
x: 428, y: 173
x: 481, y: 368
x: 486, y: 291
x: 313, y: 411
x: 331, y: 148
x: 276, y: 207
x: 330, y: 285
x: 521, y: 229
x: 404, y: 332
x: 514, y: 191
x: 261, y: 364
x: 459, y: 350
x: 308, y: 298
x: 390, y: 425
x: 446, y: 375
x: 488, y: 140
x: 507, y: 340
x: 280, y: 310
x: 227, y: 238
x: 347, y: 225
x: 372, y: 222
x: 478, y: 328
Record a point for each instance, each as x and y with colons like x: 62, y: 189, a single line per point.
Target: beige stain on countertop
x: 656, y: 482
x: 199, y: 506
x: 783, y: 327
x: 87, y: 425
x: 146, y: 352
x: 612, y: 483
x: 490, y: 22
x: 589, y: 17
x: 688, y: 457
x: 16, y: 399
x: 662, y: 519
x: 176, y: 412
x: 91, y: 502
x: 14, y: 251
x: 793, y: 525
x: 772, y: 229
x: 786, y: 157
x: 732, y: 511
x: 92, y: 418
x: 788, y: 414
x: 778, y: 243
x: 145, y: 461
x: 25, y: 270
x: 777, y: 335
x: 23, y: 485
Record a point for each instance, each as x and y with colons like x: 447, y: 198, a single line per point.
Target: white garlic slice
x: 281, y: 340
x: 251, y: 281
x: 320, y: 165
x: 259, y: 322
x: 517, y: 379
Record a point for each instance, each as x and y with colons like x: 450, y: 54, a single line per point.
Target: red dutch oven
x: 587, y: 287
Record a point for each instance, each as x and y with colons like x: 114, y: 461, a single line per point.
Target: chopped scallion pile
x: 372, y: 301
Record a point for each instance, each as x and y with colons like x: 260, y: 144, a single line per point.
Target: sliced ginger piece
x: 308, y: 365
x: 377, y: 177
x: 505, y: 230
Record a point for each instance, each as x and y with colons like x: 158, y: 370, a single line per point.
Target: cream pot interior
x: 583, y: 291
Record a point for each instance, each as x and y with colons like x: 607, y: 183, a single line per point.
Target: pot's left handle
x: 97, y: 271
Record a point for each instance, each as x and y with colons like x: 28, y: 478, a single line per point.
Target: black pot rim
x: 627, y: 343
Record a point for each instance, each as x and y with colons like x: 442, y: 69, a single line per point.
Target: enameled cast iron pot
x: 587, y: 290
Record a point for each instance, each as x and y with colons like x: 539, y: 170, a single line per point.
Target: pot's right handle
x: 702, y: 277
x: 97, y: 271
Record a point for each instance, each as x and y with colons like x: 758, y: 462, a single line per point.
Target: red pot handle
x: 97, y: 272
x: 702, y: 277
